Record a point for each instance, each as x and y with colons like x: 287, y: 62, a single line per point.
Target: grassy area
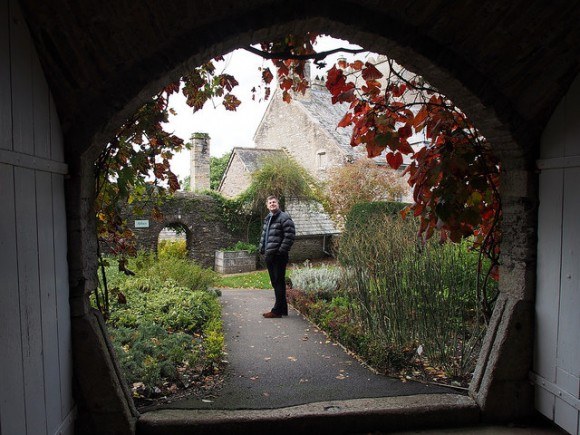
x: 258, y: 279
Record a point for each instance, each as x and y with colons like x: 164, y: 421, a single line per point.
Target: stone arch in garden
x: 200, y: 216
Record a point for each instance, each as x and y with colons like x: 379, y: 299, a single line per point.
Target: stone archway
x: 506, y: 118
x: 200, y: 217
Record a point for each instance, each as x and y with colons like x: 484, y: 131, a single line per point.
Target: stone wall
x: 235, y: 261
x: 199, y: 215
x: 309, y: 248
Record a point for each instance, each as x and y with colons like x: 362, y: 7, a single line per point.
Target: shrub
x: 412, y: 293
x: 335, y: 316
x: 243, y: 246
x: 149, y: 353
x: 368, y: 213
x: 362, y: 181
x: 168, y: 249
x: 213, y: 341
x: 318, y: 280
x: 163, y: 321
x: 183, y: 271
x: 168, y: 305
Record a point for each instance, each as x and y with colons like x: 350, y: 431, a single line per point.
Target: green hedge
x: 363, y: 213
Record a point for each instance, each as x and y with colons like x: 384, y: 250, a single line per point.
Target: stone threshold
x: 385, y: 414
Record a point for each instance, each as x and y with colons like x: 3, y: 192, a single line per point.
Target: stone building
x: 314, y: 228
x: 306, y: 128
x: 243, y: 161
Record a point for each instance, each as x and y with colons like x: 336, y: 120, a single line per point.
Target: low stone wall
x: 310, y: 248
x: 227, y: 262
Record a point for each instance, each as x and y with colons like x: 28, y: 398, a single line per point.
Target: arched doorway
x: 174, y: 237
x: 503, y: 113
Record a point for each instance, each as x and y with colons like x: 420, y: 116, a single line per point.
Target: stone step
x: 385, y: 414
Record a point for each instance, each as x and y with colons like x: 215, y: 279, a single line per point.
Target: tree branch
x: 289, y: 55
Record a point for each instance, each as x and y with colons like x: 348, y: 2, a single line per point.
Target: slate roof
x: 319, y: 107
x: 251, y: 157
x: 310, y: 219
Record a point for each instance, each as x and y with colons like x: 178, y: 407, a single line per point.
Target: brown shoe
x: 271, y: 315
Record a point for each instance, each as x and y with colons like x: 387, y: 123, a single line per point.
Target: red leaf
x: 231, y: 102
x: 395, y: 160
x: 228, y: 81
x: 357, y: 65
x: 418, y: 121
x: 399, y: 90
x: 347, y: 95
x: 405, y: 131
x: 404, y: 146
x: 267, y: 76
x: 286, y: 84
x: 374, y: 150
x: 371, y: 72
x: 346, y: 121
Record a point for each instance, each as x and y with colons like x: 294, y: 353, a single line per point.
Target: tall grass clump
x: 416, y: 296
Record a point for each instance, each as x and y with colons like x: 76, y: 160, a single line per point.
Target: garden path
x: 275, y: 363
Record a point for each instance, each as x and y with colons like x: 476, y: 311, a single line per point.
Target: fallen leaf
x: 292, y: 358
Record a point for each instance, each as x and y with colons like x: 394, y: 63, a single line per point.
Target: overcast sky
x: 230, y: 129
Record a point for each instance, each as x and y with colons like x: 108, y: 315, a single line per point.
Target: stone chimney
x: 199, y: 162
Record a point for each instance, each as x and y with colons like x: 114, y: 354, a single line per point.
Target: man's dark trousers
x: 276, y: 264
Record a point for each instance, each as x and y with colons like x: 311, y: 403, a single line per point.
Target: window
x: 321, y: 159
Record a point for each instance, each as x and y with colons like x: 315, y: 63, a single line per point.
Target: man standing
x: 275, y: 243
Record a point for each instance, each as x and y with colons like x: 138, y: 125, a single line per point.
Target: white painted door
x: 557, y: 352
x: 35, y: 340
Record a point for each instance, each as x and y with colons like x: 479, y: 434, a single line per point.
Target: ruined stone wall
x: 199, y: 215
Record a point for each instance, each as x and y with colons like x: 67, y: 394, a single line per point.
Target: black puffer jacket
x: 281, y: 234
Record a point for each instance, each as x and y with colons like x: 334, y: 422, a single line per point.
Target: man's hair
x: 272, y: 197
